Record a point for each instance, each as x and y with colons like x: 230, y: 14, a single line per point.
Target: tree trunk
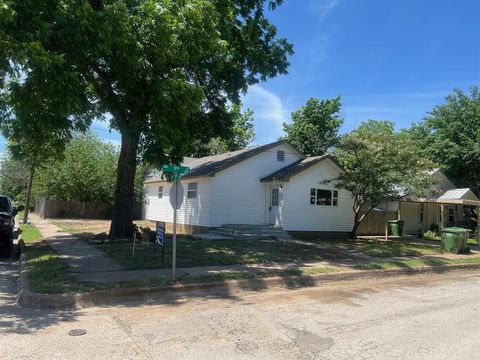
x: 29, y: 195
x: 121, y: 226
x: 353, y: 233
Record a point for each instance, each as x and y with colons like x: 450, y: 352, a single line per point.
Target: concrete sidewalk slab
x: 81, y: 257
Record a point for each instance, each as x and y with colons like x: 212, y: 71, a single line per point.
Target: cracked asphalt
x: 430, y: 316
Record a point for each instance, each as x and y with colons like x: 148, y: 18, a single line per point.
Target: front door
x: 275, y: 205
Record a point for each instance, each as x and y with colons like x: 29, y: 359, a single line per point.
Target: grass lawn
x: 415, y: 263
x: 395, y: 248
x: 30, y: 233
x: 192, y: 253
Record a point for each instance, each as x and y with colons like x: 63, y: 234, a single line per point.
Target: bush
x: 431, y: 235
x: 435, y: 229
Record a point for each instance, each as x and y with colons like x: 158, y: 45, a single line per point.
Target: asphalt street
x: 432, y: 316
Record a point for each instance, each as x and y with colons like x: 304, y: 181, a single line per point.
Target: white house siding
x: 236, y: 193
x: 300, y: 215
x: 192, y: 211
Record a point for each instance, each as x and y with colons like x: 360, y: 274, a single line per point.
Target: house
x: 273, y: 184
x: 444, y: 205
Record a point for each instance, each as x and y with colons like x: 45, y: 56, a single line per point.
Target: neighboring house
x: 444, y: 206
x: 273, y: 184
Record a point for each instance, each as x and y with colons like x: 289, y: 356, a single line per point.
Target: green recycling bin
x: 455, y: 240
x: 395, y: 227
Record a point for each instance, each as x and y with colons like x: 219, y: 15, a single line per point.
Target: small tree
x: 315, y: 126
x: 13, y: 178
x: 86, y: 172
x: 379, y: 163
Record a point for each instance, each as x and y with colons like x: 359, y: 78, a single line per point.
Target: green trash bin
x: 395, y: 227
x: 455, y: 240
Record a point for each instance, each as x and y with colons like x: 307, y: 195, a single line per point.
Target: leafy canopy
x: 379, y: 163
x: 87, y: 172
x: 238, y: 137
x: 450, y: 136
x: 164, y: 70
x: 314, y: 127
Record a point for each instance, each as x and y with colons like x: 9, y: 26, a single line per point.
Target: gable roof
x: 210, y: 165
x: 458, y: 194
x: 285, y: 173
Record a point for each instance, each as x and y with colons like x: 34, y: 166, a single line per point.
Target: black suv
x: 7, y: 226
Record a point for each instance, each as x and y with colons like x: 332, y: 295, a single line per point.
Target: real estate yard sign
x: 176, y: 172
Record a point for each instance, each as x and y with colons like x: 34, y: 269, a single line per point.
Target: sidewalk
x: 82, y: 258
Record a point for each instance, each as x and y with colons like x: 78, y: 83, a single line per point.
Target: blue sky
x: 389, y: 60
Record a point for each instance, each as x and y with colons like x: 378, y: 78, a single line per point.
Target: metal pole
x: 386, y: 219
x: 478, y: 225
x: 174, y: 248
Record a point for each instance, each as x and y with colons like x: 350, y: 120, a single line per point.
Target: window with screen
x: 160, y: 192
x: 323, y: 197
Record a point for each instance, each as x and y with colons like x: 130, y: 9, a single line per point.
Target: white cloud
x: 322, y: 7
x: 269, y: 113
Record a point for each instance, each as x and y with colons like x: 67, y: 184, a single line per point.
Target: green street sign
x: 175, y: 169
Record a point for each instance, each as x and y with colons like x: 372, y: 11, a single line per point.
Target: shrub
x: 431, y: 235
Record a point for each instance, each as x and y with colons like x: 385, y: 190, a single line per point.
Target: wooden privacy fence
x: 374, y: 223
x: 78, y: 209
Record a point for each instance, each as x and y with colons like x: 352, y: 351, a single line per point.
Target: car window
x: 4, y: 204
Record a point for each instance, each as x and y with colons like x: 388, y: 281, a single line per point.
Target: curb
x: 69, y: 301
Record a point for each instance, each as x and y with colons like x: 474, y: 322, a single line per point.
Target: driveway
x: 397, y: 318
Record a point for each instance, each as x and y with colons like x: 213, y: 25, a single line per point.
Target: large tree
x: 314, y: 127
x: 450, y: 136
x: 379, y: 163
x: 164, y: 70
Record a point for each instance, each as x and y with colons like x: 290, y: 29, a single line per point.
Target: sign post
x: 176, y: 172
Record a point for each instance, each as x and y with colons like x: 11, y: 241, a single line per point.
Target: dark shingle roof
x: 285, y: 173
x: 210, y: 165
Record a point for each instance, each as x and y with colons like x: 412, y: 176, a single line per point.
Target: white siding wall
x: 238, y: 196
x: 300, y: 215
x: 192, y: 211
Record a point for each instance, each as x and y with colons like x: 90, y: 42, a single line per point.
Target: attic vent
x: 280, y: 155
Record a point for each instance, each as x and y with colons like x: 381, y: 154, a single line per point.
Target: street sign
x: 160, y: 233
x: 176, y: 199
x: 176, y: 195
x: 175, y: 169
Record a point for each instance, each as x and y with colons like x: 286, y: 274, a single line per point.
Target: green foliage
x: 87, y: 172
x: 13, y: 178
x: 450, y: 136
x: 431, y: 235
x: 165, y: 70
x: 315, y: 126
x: 239, y: 136
x: 379, y: 163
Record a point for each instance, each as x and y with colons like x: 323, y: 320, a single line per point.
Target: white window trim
x: 192, y: 191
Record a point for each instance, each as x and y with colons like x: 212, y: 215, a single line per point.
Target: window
x: 275, y: 192
x: 323, y: 197
x: 160, y: 192
x: 192, y: 191
x: 280, y: 155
